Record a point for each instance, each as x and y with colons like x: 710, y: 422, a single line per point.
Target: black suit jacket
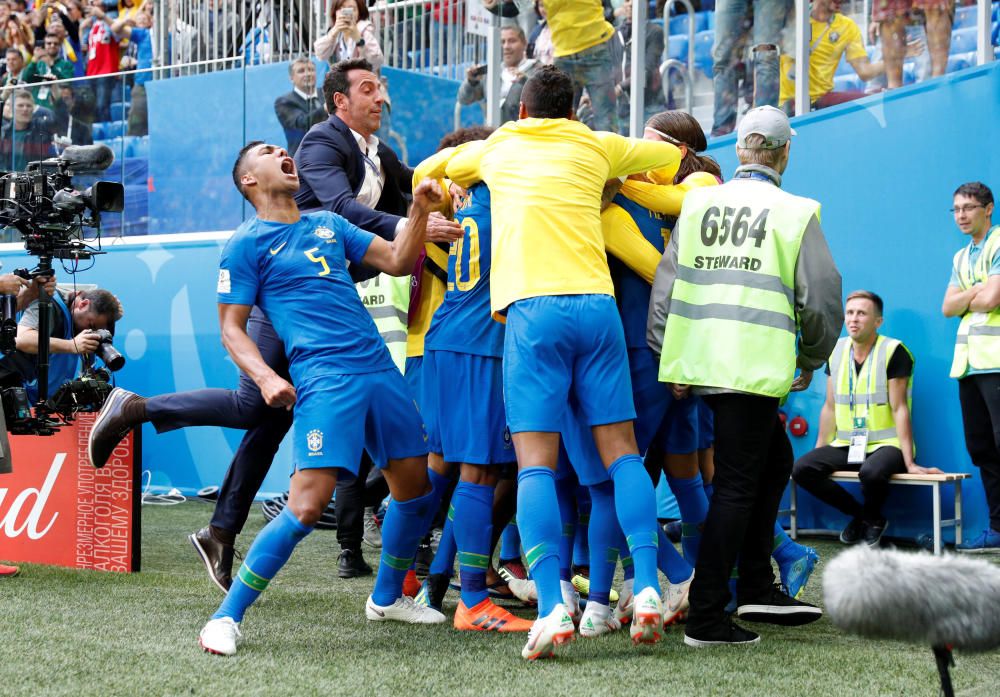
x: 297, y: 115
x: 331, y: 170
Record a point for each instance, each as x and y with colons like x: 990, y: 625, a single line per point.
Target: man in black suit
x: 301, y: 108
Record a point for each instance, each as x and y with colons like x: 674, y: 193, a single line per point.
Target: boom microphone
x: 942, y: 602
x: 88, y: 158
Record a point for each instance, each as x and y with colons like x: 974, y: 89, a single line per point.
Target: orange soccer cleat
x: 487, y: 616
x: 8, y: 570
x: 411, y: 584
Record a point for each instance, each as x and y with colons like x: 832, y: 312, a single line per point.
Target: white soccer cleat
x: 623, y: 610
x: 675, y: 601
x: 571, y: 599
x: 547, y: 633
x: 403, y: 610
x: 597, y: 620
x: 647, y: 617
x: 220, y: 636
x: 522, y: 589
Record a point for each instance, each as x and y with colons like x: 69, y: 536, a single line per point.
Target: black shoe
x: 777, y: 607
x: 121, y: 411
x: 874, y: 532
x: 724, y: 633
x: 423, y: 559
x: 218, y: 557
x: 351, y: 564
x: 433, y: 590
x: 854, y: 532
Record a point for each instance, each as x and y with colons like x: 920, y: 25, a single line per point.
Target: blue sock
x: 444, y: 558
x: 786, y: 550
x: 628, y: 568
x: 635, y: 503
x: 268, y: 553
x: 566, y: 495
x: 473, y: 504
x: 581, y: 548
x: 510, y: 543
x: 405, y: 523
x: 675, y: 567
x: 693, y: 504
x: 539, y: 524
x: 709, y: 490
x: 439, y: 485
x: 603, y: 536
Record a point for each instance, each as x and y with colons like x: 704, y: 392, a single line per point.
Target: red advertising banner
x: 55, y: 508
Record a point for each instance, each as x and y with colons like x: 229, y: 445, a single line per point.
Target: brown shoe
x: 121, y: 412
x: 218, y: 557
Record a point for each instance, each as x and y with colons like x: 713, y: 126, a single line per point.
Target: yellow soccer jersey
x: 577, y: 25
x: 829, y: 40
x: 545, y: 178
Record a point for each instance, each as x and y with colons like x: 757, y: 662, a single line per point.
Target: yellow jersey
x: 577, y: 25
x: 545, y: 178
x: 829, y: 41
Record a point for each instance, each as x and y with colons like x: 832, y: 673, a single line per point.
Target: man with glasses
x: 974, y: 295
x: 47, y: 67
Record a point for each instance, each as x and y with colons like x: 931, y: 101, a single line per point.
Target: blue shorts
x: 462, y: 404
x: 413, y: 372
x: 338, y: 416
x: 661, y: 421
x: 562, y: 346
x: 706, y: 425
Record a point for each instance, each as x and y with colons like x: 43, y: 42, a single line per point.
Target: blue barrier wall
x: 884, y: 169
x: 197, y: 125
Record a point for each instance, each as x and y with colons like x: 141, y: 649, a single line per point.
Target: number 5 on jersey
x: 321, y: 260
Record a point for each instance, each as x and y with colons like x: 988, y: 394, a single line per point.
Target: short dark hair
x: 976, y: 190
x: 336, y: 80
x: 296, y: 61
x: 238, y: 168
x: 465, y: 135
x: 13, y: 49
x: 867, y: 295
x: 102, y: 303
x: 516, y: 29
x: 548, y: 94
x: 24, y: 94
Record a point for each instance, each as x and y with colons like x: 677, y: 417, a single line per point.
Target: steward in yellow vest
x: 746, y: 293
x: 974, y: 295
x: 865, y: 422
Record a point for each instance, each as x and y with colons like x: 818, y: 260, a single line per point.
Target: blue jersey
x: 297, y: 274
x: 464, y: 323
x: 631, y: 290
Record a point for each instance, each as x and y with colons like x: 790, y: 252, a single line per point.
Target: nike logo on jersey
x: 275, y: 250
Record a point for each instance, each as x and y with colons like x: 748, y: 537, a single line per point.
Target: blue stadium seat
x: 117, y: 146
x: 119, y: 111
x: 709, y: 19
x: 677, y: 47
x: 137, y: 146
x: 97, y: 130
x: 909, y: 73
x: 114, y: 129
x: 847, y: 83
x: 703, y: 42
x: 117, y: 95
x: 679, y: 23
x: 963, y: 40
x: 965, y: 17
x: 961, y: 61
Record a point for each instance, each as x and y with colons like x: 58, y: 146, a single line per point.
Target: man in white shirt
x: 516, y: 70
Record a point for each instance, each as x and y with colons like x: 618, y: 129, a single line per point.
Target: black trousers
x: 753, y: 460
x: 812, y: 472
x: 980, y: 399
x: 242, y: 408
x: 354, y: 494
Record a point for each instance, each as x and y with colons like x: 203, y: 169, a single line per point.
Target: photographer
x: 76, y: 317
x: 46, y: 68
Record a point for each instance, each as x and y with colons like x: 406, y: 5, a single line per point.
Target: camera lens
x: 110, y: 356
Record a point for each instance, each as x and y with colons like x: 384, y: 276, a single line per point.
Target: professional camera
x: 106, y: 350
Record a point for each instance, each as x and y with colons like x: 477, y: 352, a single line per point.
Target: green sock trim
x: 734, y: 574
x: 451, y: 513
x: 535, y: 553
x: 569, y: 530
x: 398, y: 563
x: 472, y: 560
x: 584, y: 518
x: 642, y: 539
x: 612, y: 555
x: 252, y: 580
x: 691, y: 529
x: 626, y: 562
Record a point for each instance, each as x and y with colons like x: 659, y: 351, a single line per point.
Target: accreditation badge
x: 859, y: 442
x: 977, y: 318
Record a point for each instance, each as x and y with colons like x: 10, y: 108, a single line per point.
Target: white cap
x: 769, y: 122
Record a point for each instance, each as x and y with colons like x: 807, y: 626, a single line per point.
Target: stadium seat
x: 116, y: 144
x: 118, y: 95
x: 97, y: 130
x: 965, y: 17
x: 137, y: 146
x: 963, y: 40
x: 679, y: 23
x: 677, y: 47
x: 703, y: 42
x: 961, y: 61
x: 909, y: 73
x: 709, y: 19
x: 119, y: 110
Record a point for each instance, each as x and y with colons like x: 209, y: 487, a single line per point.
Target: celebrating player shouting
x: 564, y: 337
x: 348, y: 394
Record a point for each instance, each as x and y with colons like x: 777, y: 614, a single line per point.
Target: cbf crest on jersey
x: 314, y: 441
x: 325, y: 233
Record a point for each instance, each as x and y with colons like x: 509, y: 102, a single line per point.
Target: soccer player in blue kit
x: 347, y: 393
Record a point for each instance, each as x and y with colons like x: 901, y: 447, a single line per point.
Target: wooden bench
x: 932, y: 480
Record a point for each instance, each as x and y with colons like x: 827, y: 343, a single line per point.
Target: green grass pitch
x: 89, y: 633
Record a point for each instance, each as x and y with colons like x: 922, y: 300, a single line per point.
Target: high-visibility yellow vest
x: 732, y: 317
x: 977, y: 344
x: 387, y: 299
x: 871, y: 393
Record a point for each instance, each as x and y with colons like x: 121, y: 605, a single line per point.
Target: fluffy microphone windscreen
x: 915, y: 597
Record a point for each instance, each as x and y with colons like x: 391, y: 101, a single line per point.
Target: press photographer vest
x: 870, y: 387
x: 732, y: 320
x: 62, y: 366
x: 977, y: 344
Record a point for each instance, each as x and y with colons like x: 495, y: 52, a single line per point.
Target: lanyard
x: 968, y: 258
x: 850, y: 379
x: 826, y: 31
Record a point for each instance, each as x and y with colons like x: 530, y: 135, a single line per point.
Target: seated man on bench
x: 865, y: 422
